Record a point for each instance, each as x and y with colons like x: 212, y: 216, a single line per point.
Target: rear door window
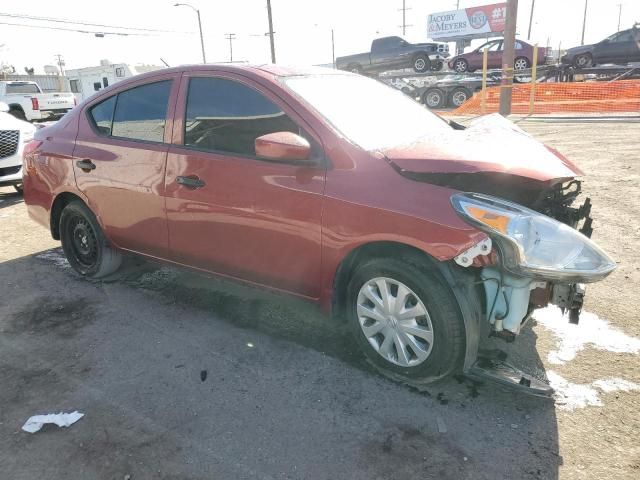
x: 227, y: 116
x: 102, y: 115
x: 140, y: 113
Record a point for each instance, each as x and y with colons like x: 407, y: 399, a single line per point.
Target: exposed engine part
x: 507, y: 300
x: 465, y: 259
x: 569, y: 297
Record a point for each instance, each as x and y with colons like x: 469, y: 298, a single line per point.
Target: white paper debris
x: 592, y: 331
x: 56, y: 257
x: 570, y: 396
x: 36, y: 422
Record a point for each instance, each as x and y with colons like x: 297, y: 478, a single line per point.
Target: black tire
x: 584, y: 60
x: 18, y: 188
x: 18, y: 113
x: 437, y: 66
x: 460, y: 65
x: 84, y: 244
x: 434, y: 98
x: 355, y: 68
x: 458, y: 96
x: 447, y: 350
x: 421, y: 63
x: 521, y: 63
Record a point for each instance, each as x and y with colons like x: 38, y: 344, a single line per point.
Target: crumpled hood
x: 491, y: 144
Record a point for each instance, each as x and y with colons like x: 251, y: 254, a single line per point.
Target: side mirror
x: 4, y: 107
x: 285, y: 146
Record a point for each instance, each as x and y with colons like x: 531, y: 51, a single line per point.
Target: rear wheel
x: 434, y: 98
x: 421, y: 64
x: 18, y: 113
x: 405, y: 319
x: 84, y: 244
x: 521, y: 63
x: 458, y: 96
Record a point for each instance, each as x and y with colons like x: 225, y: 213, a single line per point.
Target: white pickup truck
x: 27, y: 101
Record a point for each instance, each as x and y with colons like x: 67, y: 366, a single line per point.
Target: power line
x: 86, y: 24
x: 74, y: 30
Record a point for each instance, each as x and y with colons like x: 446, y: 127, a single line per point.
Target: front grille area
x: 10, y: 170
x: 8, y: 142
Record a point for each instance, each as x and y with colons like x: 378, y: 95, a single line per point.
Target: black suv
x: 622, y: 47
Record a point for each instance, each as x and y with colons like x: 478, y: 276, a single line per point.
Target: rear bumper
x: 52, y: 114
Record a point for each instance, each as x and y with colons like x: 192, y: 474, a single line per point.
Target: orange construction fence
x: 561, y: 97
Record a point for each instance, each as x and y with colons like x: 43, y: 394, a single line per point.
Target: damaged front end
x: 537, y: 250
x: 531, y: 258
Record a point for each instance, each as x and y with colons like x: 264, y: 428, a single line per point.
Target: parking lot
x: 184, y: 376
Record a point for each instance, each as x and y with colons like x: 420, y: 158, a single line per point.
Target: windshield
x: 369, y: 113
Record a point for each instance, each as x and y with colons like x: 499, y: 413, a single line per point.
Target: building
x: 84, y: 82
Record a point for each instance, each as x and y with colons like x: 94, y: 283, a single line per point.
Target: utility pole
x: 404, y: 17
x: 204, y: 58
x: 619, y: 15
x: 533, y: 4
x: 273, y: 46
x: 584, y: 21
x: 231, y: 37
x: 61, y: 65
x: 506, y: 84
x: 333, y: 49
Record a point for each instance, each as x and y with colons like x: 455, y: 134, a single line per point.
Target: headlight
x: 533, y: 244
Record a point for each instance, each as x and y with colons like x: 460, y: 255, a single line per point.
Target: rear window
x: 22, y: 88
x: 140, y: 113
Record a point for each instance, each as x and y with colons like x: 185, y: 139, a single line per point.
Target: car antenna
x: 162, y: 60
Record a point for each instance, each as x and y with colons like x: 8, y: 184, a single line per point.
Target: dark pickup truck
x: 394, y: 53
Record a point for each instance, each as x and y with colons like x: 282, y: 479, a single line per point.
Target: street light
x: 204, y: 59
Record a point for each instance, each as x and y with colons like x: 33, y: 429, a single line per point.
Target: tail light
x: 27, y: 156
x: 34, y: 103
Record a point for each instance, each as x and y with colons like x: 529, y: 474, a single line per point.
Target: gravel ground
x: 184, y: 376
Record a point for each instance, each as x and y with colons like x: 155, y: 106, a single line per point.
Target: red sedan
x: 293, y: 179
x: 472, y: 61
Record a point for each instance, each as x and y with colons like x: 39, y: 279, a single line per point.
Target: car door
x: 620, y: 47
x: 119, y: 162
x: 247, y: 218
x: 386, y: 52
x: 494, y: 56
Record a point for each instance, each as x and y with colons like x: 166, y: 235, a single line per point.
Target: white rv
x: 84, y: 82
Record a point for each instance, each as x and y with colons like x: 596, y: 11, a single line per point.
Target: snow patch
x: 570, y: 396
x: 592, y: 330
x: 56, y: 257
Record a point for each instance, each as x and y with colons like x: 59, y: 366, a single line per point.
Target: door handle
x: 191, y: 181
x: 85, y: 165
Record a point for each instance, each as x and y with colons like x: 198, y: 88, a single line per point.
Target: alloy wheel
x: 458, y: 98
x: 460, y: 66
x: 420, y: 64
x: 520, y: 64
x: 395, y: 322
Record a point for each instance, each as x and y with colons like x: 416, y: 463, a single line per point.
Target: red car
x: 472, y: 61
x: 292, y: 179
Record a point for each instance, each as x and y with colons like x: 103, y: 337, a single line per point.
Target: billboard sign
x: 467, y: 22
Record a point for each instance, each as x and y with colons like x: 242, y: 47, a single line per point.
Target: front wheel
x: 84, y: 244
x: 460, y: 65
x: 520, y: 64
x: 405, y: 319
x: 583, y: 61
